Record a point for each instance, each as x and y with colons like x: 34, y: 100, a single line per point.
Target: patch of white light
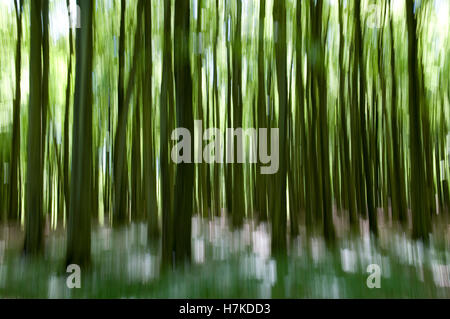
x: 8, y: 3
x: 348, y: 260
x: 59, y: 18
x: 442, y: 10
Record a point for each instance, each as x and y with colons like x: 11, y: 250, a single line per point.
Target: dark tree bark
x: 399, y: 207
x: 217, y: 187
x: 79, y: 221
x: 319, y: 141
x: 185, y: 171
x: 279, y: 215
x: 364, y: 130
x: 261, y: 195
x: 166, y: 92
x: 44, y: 86
x: 202, y: 167
x: 347, y: 170
x: 34, y: 239
x: 14, y: 190
x: 419, y: 200
x: 238, y: 202
x: 120, y: 154
x: 228, y: 167
x: 66, y: 121
x: 136, y: 178
x: 120, y: 146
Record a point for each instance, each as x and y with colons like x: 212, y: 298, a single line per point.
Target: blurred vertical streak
x: 279, y: 215
x: 45, y: 95
x: 238, y: 202
x: 14, y: 191
x: 165, y: 104
x: 149, y: 176
x: 33, y: 200
x: 66, y: 119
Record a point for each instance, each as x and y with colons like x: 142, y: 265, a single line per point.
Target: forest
x: 348, y: 167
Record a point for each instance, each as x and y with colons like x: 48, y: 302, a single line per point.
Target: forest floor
x: 231, y: 264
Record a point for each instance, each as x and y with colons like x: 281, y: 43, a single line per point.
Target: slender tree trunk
x: 238, y: 203
x: 202, y: 167
x: 261, y: 194
x: 399, y: 207
x: 364, y: 130
x: 420, y: 215
x: 59, y: 183
x: 217, y: 187
x: 14, y: 198
x: 107, y: 183
x: 149, y: 178
x: 136, y: 199
x: 319, y: 127
x: 120, y: 154
x: 166, y: 91
x: 66, y: 120
x: 207, y: 188
x: 293, y: 191
x: 279, y: 215
x: 347, y: 170
x: 94, y: 181
x: 34, y: 239
x: 48, y: 210
x: 228, y: 167
x: 120, y: 143
x: 44, y: 86
x: 185, y: 171
x: 79, y: 221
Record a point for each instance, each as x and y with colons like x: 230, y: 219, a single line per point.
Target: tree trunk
x: 66, y: 121
x: 228, y: 167
x: 166, y: 91
x: 120, y: 154
x: 34, y: 237
x: 14, y: 197
x: 364, y: 130
x: 261, y: 195
x: 79, y: 222
x: 44, y: 86
x: 185, y: 171
x: 279, y: 217
x: 238, y: 203
x: 136, y: 198
x: 149, y: 179
x: 420, y: 216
